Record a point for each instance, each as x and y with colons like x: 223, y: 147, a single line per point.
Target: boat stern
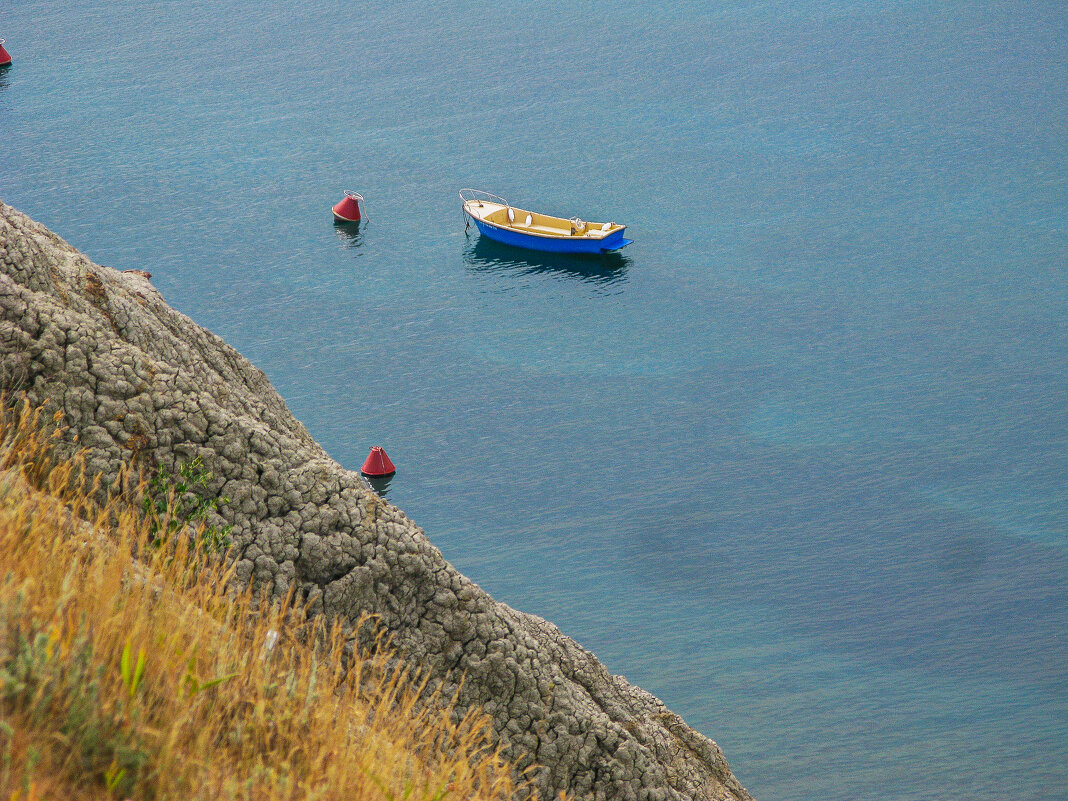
x: 612, y: 247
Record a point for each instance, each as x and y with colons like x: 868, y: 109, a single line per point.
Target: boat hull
x: 551, y: 244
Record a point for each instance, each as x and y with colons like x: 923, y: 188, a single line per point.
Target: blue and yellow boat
x: 497, y: 219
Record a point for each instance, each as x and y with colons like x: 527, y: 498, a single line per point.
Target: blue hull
x: 550, y: 244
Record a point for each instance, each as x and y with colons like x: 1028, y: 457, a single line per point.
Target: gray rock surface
x: 135, y: 378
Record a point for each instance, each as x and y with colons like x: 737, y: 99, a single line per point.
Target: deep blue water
x: 796, y: 462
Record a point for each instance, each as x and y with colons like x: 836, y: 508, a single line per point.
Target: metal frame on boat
x: 497, y: 219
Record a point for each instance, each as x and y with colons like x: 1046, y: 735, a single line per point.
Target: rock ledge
x: 136, y: 378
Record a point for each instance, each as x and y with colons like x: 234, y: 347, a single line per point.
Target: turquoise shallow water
x: 795, y: 462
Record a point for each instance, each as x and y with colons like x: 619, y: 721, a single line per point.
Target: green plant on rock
x: 174, y: 501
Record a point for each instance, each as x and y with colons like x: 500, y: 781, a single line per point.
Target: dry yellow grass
x: 133, y: 671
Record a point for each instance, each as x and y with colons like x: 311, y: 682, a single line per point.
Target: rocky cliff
x: 136, y: 379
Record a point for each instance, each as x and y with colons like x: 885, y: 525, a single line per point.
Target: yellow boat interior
x: 537, y: 224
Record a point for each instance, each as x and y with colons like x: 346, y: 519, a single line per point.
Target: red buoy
x: 348, y: 209
x: 5, y: 57
x: 378, y: 464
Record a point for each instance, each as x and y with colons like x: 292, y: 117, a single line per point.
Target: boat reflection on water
x: 350, y: 235
x: 486, y: 256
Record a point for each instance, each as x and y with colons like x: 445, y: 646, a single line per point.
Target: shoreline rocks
x: 137, y: 379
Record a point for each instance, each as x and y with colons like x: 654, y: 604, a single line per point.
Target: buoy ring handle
x: 353, y: 195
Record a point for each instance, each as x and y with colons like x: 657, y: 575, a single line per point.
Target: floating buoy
x: 348, y: 208
x: 377, y: 463
x: 5, y: 57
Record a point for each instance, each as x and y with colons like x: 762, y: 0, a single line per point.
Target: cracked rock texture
x: 133, y: 377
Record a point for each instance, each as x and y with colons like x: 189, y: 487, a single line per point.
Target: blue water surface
x: 796, y: 461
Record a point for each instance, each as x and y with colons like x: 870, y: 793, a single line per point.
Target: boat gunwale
x: 595, y: 233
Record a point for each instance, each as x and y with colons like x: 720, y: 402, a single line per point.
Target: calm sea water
x: 796, y: 462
